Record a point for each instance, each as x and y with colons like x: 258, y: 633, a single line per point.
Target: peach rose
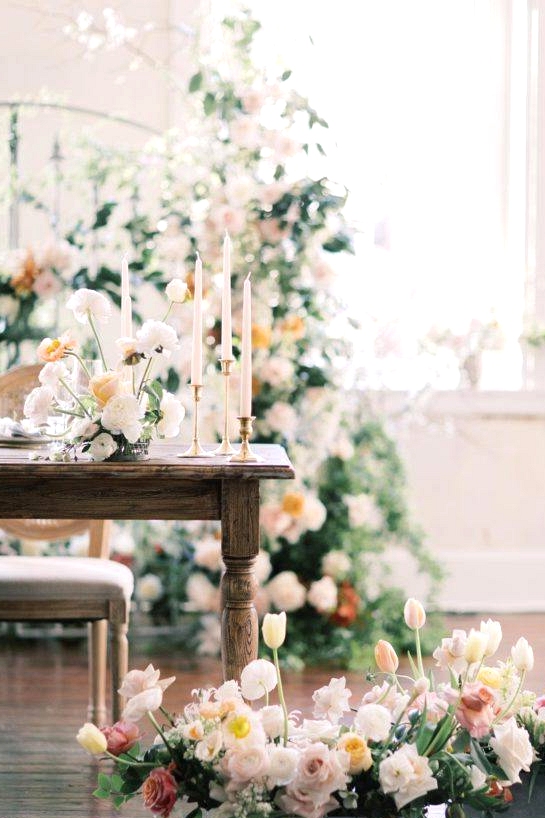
x: 105, y: 386
x: 53, y: 349
x: 121, y: 736
x: 160, y: 792
x: 294, y: 326
x: 476, y: 709
x: 293, y: 503
x: 261, y: 336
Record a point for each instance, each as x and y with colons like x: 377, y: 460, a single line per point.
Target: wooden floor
x: 43, y: 689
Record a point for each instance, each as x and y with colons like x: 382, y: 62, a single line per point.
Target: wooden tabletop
x: 163, y: 463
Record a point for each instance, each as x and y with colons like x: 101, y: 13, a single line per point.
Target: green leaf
x: 103, y: 215
x: 286, y: 75
x: 209, y: 103
x: 118, y: 801
x: 101, y: 793
x: 104, y: 782
x: 195, y: 82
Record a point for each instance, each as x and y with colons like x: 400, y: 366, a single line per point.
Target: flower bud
x: 92, y: 739
x: 274, y: 629
x: 522, y: 655
x: 476, y: 645
x: 414, y: 613
x: 386, y: 657
x: 492, y: 628
x: 421, y: 686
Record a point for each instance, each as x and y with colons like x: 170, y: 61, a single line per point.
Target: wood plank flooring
x: 43, y: 699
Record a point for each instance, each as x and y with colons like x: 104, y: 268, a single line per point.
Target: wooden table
x: 165, y: 487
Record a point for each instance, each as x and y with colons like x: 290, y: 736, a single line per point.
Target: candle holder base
x: 224, y: 449
x: 246, y: 453
x: 196, y: 450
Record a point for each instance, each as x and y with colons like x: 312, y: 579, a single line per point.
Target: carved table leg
x: 239, y: 546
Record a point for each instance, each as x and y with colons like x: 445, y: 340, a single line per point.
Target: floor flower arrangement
x: 408, y: 743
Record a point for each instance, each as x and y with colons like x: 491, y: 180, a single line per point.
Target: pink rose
x: 476, y: 709
x: 245, y: 764
x: 121, y: 737
x: 322, y: 769
x: 160, y: 792
x: 296, y: 801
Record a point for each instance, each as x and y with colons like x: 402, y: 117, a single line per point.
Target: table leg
x: 239, y: 547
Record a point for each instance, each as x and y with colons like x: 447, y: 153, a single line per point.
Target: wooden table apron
x: 165, y: 487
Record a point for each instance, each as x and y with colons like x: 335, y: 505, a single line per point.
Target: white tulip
x: 522, y: 655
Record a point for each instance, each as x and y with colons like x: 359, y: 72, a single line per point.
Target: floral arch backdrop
x: 238, y: 166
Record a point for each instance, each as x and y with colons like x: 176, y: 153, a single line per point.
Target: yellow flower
x: 293, y: 503
x: 92, y: 739
x: 105, y: 386
x: 294, y: 326
x: 239, y: 726
x: 274, y: 629
x: 360, y: 754
x: 53, y: 349
x: 490, y: 676
x: 261, y: 336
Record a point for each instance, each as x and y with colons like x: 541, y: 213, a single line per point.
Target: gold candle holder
x: 225, y: 447
x: 196, y: 450
x: 245, y: 454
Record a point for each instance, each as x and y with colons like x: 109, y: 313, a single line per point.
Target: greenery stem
x: 97, y: 339
x: 82, y: 363
x: 170, y: 305
x: 281, y: 695
x: 159, y: 729
x: 419, y: 652
x: 144, y: 377
x: 508, y: 706
x: 167, y: 715
x: 130, y: 763
x: 68, y: 389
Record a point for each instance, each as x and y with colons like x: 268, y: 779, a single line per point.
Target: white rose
x: 258, y: 678
x: 51, y: 374
x: 406, y: 775
x: 9, y: 307
x: 247, y: 763
x: 262, y: 566
x: 323, y: 595
x: 286, y: 592
x: 511, y: 744
x: 362, y: 510
x: 336, y: 564
x: 281, y: 417
x: 176, y: 290
x: 172, y: 415
x: 283, y: 764
x: 272, y: 719
x: 122, y: 415
x: 374, y: 721
x: 276, y: 371
x: 201, y: 594
x: 332, y: 700
x: 102, y: 446
x: 39, y: 404
x: 149, y: 588
x: 208, y: 553
x: 85, y: 301
x: 156, y: 338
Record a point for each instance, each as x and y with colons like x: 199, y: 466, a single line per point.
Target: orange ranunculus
x: 347, y: 609
x: 256, y: 386
x: 53, y: 349
x: 105, y: 386
x: 23, y: 280
x: 294, y: 326
x: 261, y: 336
x: 293, y: 503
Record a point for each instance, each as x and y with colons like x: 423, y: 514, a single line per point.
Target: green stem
x: 97, y: 339
x: 68, y: 389
x: 144, y: 376
x: 82, y: 363
x: 130, y: 763
x: 281, y: 695
x: 153, y: 720
x: 171, y: 304
x: 507, y: 708
x: 167, y: 715
x: 419, y: 653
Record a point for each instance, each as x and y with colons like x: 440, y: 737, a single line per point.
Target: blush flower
x: 160, y: 792
x: 406, y: 775
x: 476, y: 709
x: 53, y: 349
x: 121, y: 736
x: 84, y: 302
x: 331, y: 701
x: 258, y: 678
x: 156, y: 338
x: 39, y: 404
x: 323, y: 595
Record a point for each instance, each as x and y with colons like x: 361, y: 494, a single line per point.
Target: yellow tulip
x: 92, y: 739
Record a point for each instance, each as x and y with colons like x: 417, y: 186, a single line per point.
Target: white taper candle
x: 196, y: 357
x: 226, y: 333
x: 246, y: 354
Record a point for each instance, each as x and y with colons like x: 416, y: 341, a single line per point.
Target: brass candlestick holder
x: 245, y: 455
x: 196, y: 450
x: 225, y: 447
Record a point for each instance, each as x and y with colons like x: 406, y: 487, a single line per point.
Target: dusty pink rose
x: 322, y: 769
x: 246, y: 764
x: 274, y: 520
x: 271, y: 231
x: 296, y: 801
x: 476, y: 709
x: 121, y: 736
x: 160, y: 792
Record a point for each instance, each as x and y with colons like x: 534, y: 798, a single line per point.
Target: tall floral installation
x: 409, y: 742
x: 242, y: 165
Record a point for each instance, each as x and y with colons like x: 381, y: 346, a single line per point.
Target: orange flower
x: 294, y: 326
x: 105, y: 386
x: 24, y: 278
x: 256, y: 386
x: 348, y: 606
x: 293, y: 503
x: 261, y: 336
x: 53, y: 349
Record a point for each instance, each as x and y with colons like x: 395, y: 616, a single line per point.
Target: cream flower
x: 331, y: 701
x: 492, y: 628
x: 39, y: 404
x: 85, y: 301
x: 172, y: 413
x: 323, y: 595
x: 102, y: 446
x: 522, y: 655
x: 208, y: 553
x: 286, y: 592
x: 51, y: 374
x: 281, y: 418
x: 258, y: 678
x: 374, y: 721
x: 262, y: 566
x: 209, y: 747
x: 406, y: 775
x: 283, y: 764
x: 511, y: 744
x: 156, y: 338
x: 176, y: 290
x: 336, y: 564
x: 363, y: 511
x: 274, y: 630
x: 136, y: 681
x: 149, y: 588
x: 122, y: 415
x: 201, y: 594
x: 92, y: 739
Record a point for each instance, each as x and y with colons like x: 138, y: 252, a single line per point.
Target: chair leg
x: 98, y: 638
x: 119, y: 664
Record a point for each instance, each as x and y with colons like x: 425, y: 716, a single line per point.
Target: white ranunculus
x: 208, y: 553
x: 9, y: 307
x: 283, y: 763
x: 86, y: 301
x: 272, y: 719
x: 122, y: 415
x: 51, y: 374
x: 374, y: 721
x: 149, y: 588
x: 102, y: 446
x: 363, y: 511
x: 512, y: 745
x: 277, y: 371
x: 156, y: 338
x: 522, y: 655
x: 336, y: 564
x: 286, y: 592
x: 39, y: 404
x: 323, y: 595
x: 492, y: 628
x: 332, y: 700
x: 246, y: 764
x: 172, y: 415
x: 176, y: 290
x: 262, y: 567
x: 406, y: 775
x: 83, y: 427
x: 258, y: 678
x: 201, y: 594
x: 282, y: 418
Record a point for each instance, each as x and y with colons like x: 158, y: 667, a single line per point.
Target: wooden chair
x: 68, y: 588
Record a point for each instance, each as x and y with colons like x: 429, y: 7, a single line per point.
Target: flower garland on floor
x: 409, y: 743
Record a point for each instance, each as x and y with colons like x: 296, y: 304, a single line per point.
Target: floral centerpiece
x: 409, y: 742
x: 119, y: 409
